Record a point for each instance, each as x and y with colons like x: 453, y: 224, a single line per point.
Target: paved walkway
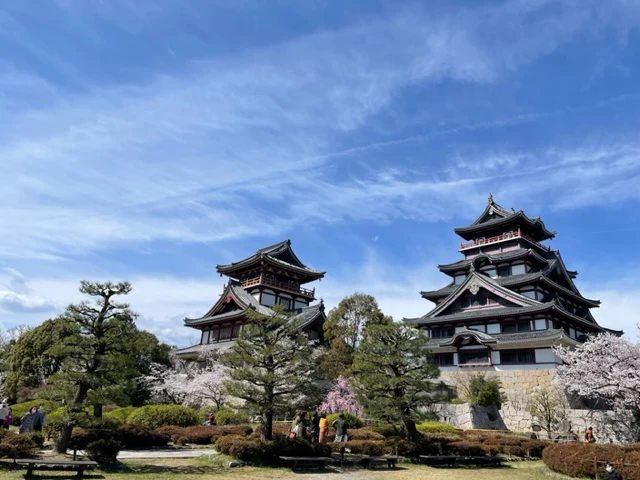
x: 169, y: 453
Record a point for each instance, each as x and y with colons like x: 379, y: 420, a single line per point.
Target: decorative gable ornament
x: 474, y: 288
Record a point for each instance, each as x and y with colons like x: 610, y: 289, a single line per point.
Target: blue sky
x: 150, y: 140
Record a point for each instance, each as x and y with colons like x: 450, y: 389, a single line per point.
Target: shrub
x: 120, y: 414
x: 277, y: 429
x: 467, y: 449
x: 364, y: 434
x: 226, y: 416
x: 351, y: 420
x: 456, y: 401
x: 385, y: 430
x: 362, y: 447
x: 269, y: 453
x: 134, y: 437
x: 103, y: 451
x: 577, y: 459
x: 36, y: 438
x: 202, y: 435
x: 436, y: 427
x: 19, y: 445
x: 485, y: 392
x: 7, y: 451
x: 400, y: 446
x: 155, y: 416
x: 534, y: 448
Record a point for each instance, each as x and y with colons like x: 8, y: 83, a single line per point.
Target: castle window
x: 225, y: 332
x: 300, y: 305
x: 490, y: 272
x: 442, y: 332
x: 504, y: 270
x: 515, y: 327
x: 514, y: 357
x: 519, y: 269
x: 443, y: 359
x: 466, y: 357
x: 268, y: 299
x: 285, y: 302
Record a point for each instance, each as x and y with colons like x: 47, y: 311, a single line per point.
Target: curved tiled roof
x: 280, y: 255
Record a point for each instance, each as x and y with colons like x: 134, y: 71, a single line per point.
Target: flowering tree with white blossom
x: 193, y: 384
x: 341, y: 399
x: 606, y: 367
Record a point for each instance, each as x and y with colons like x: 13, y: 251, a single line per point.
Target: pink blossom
x: 341, y: 399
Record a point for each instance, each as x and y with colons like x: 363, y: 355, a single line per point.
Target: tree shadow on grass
x: 175, y: 469
x: 62, y: 475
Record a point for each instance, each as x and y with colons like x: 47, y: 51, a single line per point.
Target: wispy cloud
x: 172, y: 158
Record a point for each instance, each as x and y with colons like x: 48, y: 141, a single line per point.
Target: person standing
x: 314, y: 427
x: 341, y: 428
x: 611, y: 474
x: 28, y: 420
x: 3, y: 412
x: 39, y: 419
x: 323, y: 425
x: 8, y: 418
x: 588, y: 436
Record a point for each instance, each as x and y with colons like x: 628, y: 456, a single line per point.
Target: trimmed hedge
x: 436, y: 427
x: 202, y: 435
x: 120, y: 415
x: 268, y: 453
x: 279, y: 428
x: 362, y: 447
x: 577, y: 459
x: 104, y: 451
x: 351, y: 420
x: 364, y: 434
x: 156, y: 416
x: 129, y: 436
x: 226, y: 416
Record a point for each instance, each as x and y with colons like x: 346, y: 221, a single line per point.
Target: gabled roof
x: 505, y: 339
x: 507, y: 312
x: 279, y: 255
x: 234, y: 293
x: 493, y: 258
x: 476, y: 281
x: 495, y: 216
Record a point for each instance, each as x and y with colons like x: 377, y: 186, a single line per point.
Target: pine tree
x: 272, y: 367
x: 394, y: 374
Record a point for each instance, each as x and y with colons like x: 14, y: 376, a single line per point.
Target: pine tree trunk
x: 266, y: 426
x: 410, y: 426
x: 97, y: 410
x: 62, y: 443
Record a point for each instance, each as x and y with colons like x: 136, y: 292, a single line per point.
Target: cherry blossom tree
x: 193, y: 384
x: 606, y: 368
x: 341, y: 399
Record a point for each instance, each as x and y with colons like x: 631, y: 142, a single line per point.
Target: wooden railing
x: 288, y: 286
x: 498, y: 238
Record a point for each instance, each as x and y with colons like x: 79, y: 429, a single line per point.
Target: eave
x: 537, y: 230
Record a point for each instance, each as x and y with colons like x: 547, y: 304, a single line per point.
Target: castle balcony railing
x: 286, y: 286
x: 499, y: 238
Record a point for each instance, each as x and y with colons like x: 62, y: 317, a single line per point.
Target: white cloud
x: 17, y: 296
x: 168, y: 160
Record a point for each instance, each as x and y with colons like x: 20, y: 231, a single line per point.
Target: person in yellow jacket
x: 324, y: 428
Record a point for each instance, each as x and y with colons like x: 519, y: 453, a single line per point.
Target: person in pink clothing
x: 7, y: 419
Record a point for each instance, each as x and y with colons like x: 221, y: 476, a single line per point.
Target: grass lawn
x: 204, y: 469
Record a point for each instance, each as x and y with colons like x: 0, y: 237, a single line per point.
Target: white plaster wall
x: 541, y: 324
x: 545, y: 355
x: 459, y: 329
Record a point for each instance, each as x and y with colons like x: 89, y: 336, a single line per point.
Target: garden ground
x: 205, y: 469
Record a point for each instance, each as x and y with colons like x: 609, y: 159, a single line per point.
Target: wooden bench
x: 41, y: 464
x: 320, y: 462
x: 368, y: 462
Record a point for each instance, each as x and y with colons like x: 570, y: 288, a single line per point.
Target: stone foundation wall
x: 516, y: 384
x: 606, y: 425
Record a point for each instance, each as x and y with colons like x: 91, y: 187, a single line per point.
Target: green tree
x: 394, y: 374
x: 31, y: 358
x: 485, y: 392
x: 102, y: 354
x: 343, y: 330
x: 272, y: 367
